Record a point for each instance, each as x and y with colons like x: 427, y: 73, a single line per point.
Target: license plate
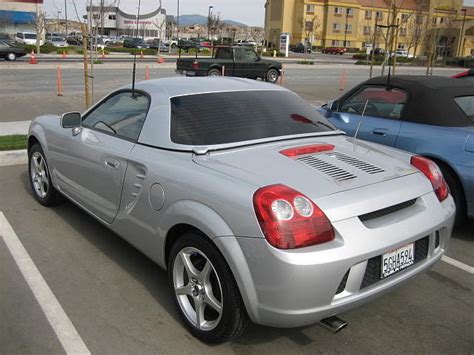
x: 397, y: 260
x: 189, y: 73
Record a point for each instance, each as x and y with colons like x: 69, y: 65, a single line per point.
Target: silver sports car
x: 259, y: 209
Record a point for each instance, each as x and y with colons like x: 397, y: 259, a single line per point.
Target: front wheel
x: 40, y: 178
x: 272, y: 76
x: 214, y: 72
x: 11, y: 57
x: 204, y: 290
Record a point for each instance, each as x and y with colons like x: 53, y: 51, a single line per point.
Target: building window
x: 310, y: 9
x: 347, y: 44
x: 338, y: 11
x: 420, y: 19
x: 367, y: 30
x: 336, y: 27
x: 379, y: 15
x: 335, y: 43
x: 434, y: 21
x: 403, y: 31
x: 112, y: 17
x: 350, y: 12
x: 308, y: 26
x: 368, y: 15
x: 348, y: 28
x: 402, y: 46
x: 405, y: 17
x: 441, y: 20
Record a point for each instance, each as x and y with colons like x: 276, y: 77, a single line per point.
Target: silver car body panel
x: 159, y: 185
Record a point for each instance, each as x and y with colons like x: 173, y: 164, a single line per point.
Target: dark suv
x: 135, y: 42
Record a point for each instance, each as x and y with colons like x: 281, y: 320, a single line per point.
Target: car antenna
x: 360, y: 121
x: 134, y: 72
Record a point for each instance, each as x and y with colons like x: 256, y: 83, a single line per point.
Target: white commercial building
x: 19, y: 16
x: 122, y: 20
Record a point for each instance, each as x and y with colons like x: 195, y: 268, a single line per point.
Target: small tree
x: 310, y: 26
x: 258, y: 35
x: 215, y: 25
x: 40, y: 25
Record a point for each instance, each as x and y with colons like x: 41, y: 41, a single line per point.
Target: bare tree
x: 258, y: 35
x: 310, y: 27
x: 40, y: 26
x: 215, y: 25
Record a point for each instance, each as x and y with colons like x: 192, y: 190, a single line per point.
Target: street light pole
x: 59, y: 13
x: 209, y: 21
x: 65, y: 14
x: 345, y: 28
x: 177, y: 29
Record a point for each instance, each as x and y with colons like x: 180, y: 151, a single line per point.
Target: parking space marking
x: 61, y: 324
x: 458, y: 264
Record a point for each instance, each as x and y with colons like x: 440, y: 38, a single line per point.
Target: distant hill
x: 188, y: 20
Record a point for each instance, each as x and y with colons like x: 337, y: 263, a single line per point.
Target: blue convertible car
x: 430, y: 116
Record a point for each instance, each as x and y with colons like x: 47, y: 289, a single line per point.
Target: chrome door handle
x: 112, y: 163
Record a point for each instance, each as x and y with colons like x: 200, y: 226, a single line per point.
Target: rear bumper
x: 300, y: 287
x: 190, y: 72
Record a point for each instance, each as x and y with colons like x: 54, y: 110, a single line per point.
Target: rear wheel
x: 204, y: 290
x: 214, y: 72
x: 11, y: 57
x: 272, y: 76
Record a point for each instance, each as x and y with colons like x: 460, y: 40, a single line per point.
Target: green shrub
x: 306, y: 62
x: 148, y: 51
x: 269, y: 53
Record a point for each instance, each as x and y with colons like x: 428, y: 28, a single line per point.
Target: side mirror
x: 331, y: 105
x: 71, y: 120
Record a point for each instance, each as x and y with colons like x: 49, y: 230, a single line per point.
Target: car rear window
x: 466, y: 103
x: 230, y: 117
x: 30, y: 36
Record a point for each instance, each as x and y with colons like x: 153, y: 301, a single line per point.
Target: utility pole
x: 209, y: 21
x: 102, y: 17
x: 59, y: 13
x: 462, y: 39
x: 91, y: 45
x: 373, y: 46
x: 396, y: 47
x: 65, y: 14
x: 177, y: 29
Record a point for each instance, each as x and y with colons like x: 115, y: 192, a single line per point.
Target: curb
x: 13, y: 157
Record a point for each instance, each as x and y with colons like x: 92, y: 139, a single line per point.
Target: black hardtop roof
x: 430, y: 98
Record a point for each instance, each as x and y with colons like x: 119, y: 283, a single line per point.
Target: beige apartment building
x: 359, y: 24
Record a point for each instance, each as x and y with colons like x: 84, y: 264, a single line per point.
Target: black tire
x: 51, y: 197
x: 272, y: 76
x: 457, y: 192
x: 234, y: 319
x: 214, y: 72
x: 11, y: 57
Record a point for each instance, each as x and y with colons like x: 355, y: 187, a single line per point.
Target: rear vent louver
x: 320, y: 162
x: 356, y: 163
x: 327, y: 168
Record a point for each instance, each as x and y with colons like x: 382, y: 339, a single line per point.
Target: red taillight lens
x: 289, y: 219
x: 307, y: 149
x: 434, y: 174
x: 195, y: 65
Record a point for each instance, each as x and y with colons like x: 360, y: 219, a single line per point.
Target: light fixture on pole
x: 209, y: 21
x: 65, y: 14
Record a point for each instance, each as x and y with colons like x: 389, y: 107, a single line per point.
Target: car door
x: 254, y: 66
x: 373, y: 111
x: 91, y: 164
x: 240, y: 64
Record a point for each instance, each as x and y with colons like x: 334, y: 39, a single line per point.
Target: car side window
x: 224, y: 53
x: 122, y: 114
x: 239, y: 54
x: 381, y: 102
x: 250, y: 55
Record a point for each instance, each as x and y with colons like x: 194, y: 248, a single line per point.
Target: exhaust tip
x: 334, y: 324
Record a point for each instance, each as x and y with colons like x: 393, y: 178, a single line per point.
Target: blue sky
x: 250, y: 12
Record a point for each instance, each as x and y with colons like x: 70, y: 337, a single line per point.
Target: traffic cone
x: 64, y: 54
x: 103, y: 55
x: 160, y: 60
x: 33, y: 58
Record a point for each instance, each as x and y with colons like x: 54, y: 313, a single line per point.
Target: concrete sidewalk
x: 11, y: 128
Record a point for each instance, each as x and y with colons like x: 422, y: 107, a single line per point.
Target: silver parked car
x: 259, y: 209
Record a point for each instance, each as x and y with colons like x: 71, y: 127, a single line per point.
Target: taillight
x: 195, y: 65
x: 307, y: 149
x: 434, y: 174
x: 289, y: 219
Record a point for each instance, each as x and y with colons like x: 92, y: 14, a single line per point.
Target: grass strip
x: 14, y: 142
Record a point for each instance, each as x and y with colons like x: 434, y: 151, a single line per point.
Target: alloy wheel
x: 39, y: 174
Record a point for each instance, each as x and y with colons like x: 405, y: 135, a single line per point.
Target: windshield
x: 229, y: 117
x: 30, y: 36
x: 57, y: 39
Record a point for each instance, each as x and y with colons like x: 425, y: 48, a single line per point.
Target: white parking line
x: 458, y: 264
x: 61, y: 324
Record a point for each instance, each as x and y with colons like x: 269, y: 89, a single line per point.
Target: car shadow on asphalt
x: 149, y: 274
x: 465, y: 232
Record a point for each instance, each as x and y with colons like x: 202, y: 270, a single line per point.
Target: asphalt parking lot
x: 113, y: 300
